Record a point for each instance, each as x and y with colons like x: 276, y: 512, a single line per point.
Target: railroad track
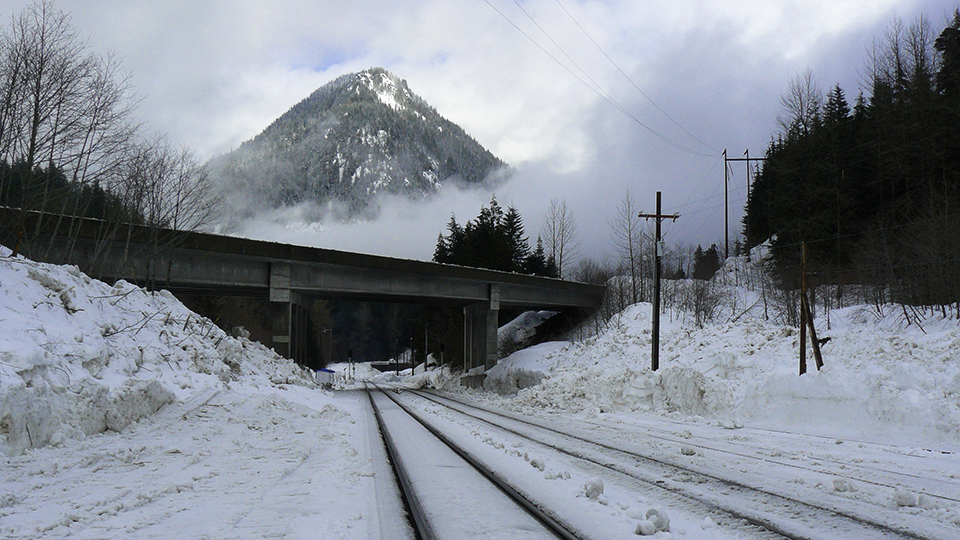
x: 822, y: 462
x: 764, y: 512
x: 432, y: 492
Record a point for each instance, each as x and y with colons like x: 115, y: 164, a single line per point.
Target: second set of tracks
x: 748, y: 510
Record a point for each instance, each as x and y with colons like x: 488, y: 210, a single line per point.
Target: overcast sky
x: 710, y: 74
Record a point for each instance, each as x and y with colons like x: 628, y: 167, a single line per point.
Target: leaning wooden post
x: 813, y: 335
x: 803, y: 310
x: 806, y: 320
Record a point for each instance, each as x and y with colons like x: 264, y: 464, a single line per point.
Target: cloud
x: 406, y: 228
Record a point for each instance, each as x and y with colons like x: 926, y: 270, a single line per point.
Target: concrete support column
x: 288, y: 314
x: 480, y: 337
x: 492, y: 323
x: 280, y: 323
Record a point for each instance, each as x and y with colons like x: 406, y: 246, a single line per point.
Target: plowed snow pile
x: 79, y: 356
x: 881, y: 376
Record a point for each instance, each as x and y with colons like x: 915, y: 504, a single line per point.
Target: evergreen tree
x: 449, y: 247
x: 441, y: 253
x: 948, y: 77
x: 538, y: 264
x: 514, y: 232
x: 495, y: 240
x: 487, y: 245
x: 706, y: 263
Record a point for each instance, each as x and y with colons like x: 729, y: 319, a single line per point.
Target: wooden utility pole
x: 658, y: 253
x: 726, y: 179
x: 746, y: 225
x: 726, y: 208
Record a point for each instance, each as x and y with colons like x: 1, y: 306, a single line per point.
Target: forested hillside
x: 873, y: 187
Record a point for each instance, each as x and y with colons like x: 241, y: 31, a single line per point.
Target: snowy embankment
x: 881, y: 376
x: 79, y: 356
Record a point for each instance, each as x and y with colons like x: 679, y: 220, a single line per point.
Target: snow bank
x: 363, y: 372
x: 435, y: 378
x: 78, y: 356
x: 881, y: 377
x: 523, y: 368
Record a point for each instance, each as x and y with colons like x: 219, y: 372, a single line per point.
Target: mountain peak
x: 358, y: 136
x: 390, y: 90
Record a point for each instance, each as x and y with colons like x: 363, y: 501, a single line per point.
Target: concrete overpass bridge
x: 199, y: 263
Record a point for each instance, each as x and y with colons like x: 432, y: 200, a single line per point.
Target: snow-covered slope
x: 882, y: 376
x: 79, y: 356
x: 124, y: 415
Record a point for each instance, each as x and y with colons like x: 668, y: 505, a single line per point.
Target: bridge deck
x: 207, y: 263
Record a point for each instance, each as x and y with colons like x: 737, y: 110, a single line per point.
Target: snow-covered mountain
x: 360, y: 135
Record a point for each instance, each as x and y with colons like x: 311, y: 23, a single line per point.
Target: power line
x: 567, y: 56
x: 595, y: 87
x: 702, y: 180
x: 612, y: 102
x: 716, y: 194
x: 705, y: 219
x: 702, y: 203
x: 607, y: 56
x: 858, y: 269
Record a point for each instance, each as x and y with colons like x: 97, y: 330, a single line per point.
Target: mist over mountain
x: 359, y: 136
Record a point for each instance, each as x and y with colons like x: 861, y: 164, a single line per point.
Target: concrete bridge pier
x: 289, y: 315
x: 480, y: 338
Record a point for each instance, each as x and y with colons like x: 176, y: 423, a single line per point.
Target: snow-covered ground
x: 122, y: 414
x: 879, y: 424
x: 881, y: 378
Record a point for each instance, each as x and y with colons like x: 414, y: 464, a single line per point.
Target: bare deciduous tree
x: 801, y: 105
x: 628, y: 238
x: 590, y: 271
x: 61, y: 108
x: 560, y: 235
x: 168, y: 187
x: 906, y: 58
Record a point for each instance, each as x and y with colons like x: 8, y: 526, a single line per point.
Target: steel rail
x: 546, y: 519
x: 418, y: 518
